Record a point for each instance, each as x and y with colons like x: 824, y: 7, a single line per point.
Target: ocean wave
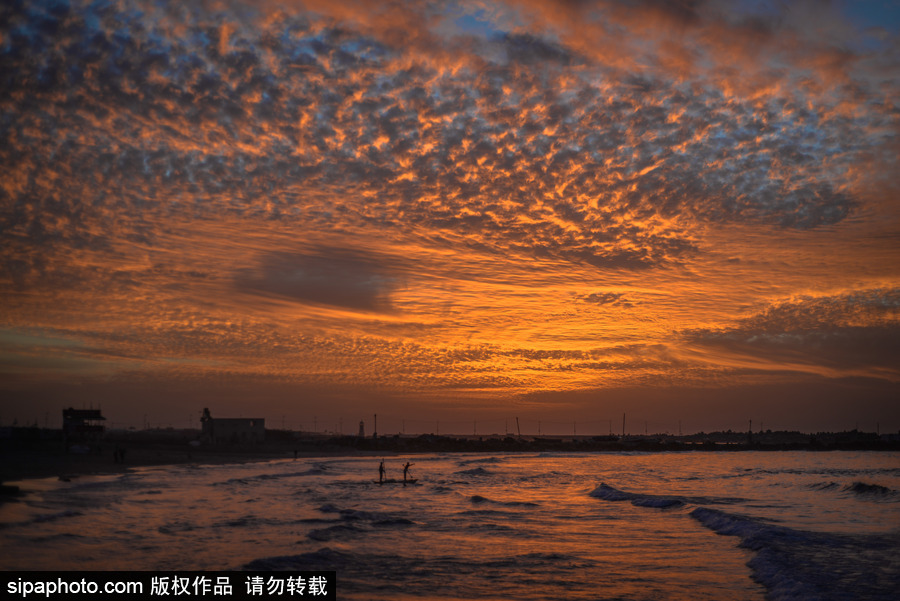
x: 322, y: 559
x: 315, y: 471
x: 393, y: 522
x: 247, y: 521
x: 479, y: 499
x: 337, y: 532
x: 798, y: 565
x: 49, y: 517
x: 480, y: 460
x: 492, y: 527
x: 490, y: 513
x: 862, y: 490
x: 176, y: 527
x: 477, y: 471
x: 543, y: 476
x: 352, y: 529
x: 873, y: 491
x: 58, y: 537
x: 830, y: 485
x: 608, y: 493
x: 419, y: 576
x: 377, y: 518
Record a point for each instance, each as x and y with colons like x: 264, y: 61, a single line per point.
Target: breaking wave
x: 873, y: 491
x: 608, y: 493
x: 796, y: 564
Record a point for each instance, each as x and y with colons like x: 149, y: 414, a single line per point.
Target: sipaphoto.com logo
x: 25, y: 587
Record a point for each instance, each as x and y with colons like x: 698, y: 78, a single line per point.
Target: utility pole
x: 518, y: 429
x: 375, y: 431
x: 623, y: 425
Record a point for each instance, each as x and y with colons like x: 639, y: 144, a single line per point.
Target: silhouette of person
x: 406, y: 470
x: 381, y: 472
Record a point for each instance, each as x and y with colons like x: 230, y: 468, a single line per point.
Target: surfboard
x: 393, y: 481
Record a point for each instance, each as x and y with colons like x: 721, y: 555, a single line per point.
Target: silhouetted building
x: 82, y: 423
x: 362, y: 429
x: 232, y: 429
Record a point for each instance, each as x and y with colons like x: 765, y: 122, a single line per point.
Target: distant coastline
x: 35, y: 453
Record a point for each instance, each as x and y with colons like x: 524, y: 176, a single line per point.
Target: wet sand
x: 43, y: 460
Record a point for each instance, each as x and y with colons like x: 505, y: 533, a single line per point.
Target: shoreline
x: 34, y: 462
x: 34, y: 459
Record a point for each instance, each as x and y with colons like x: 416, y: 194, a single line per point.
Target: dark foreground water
x: 750, y: 525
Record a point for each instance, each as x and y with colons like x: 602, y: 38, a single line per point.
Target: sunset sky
x: 452, y: 214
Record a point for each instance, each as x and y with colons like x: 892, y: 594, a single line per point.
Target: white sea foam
x: 799, y: 565
x: 794, y: 564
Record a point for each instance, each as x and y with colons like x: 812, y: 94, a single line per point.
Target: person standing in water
x: 406, y: 470
x: 381, y: 472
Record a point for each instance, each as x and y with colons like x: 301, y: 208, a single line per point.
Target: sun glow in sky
x: 460, y: 211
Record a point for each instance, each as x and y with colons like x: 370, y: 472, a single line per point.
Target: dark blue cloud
x: 331, y: 277
x: 846, y: 332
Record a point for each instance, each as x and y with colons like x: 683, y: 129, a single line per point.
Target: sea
x: 628, y: 526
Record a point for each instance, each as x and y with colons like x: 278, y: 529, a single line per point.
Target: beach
x: 43, y: 459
